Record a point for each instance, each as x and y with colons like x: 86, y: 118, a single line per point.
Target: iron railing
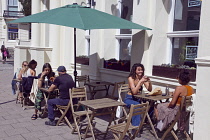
x: 13, y: 14
x: 12, y: 35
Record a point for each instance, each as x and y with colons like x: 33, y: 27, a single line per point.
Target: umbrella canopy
x: 80, y: 17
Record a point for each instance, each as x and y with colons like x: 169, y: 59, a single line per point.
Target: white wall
x: 202, y: 112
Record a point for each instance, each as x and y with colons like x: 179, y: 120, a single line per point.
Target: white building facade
x: 11, y: 34
x: 177, y: 27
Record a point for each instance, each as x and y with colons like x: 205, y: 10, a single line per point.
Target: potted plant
x: 172, y: 71
x: 122, y: 65
x: 82, y: 59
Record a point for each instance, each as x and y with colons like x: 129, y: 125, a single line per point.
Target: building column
x: 54, y: 38
x: 202, y: 112
x: 35, y: 34
x: 35, y: 30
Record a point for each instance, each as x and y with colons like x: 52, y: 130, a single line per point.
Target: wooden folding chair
x: 123, y: 89
x: 64, y: 110
x: 116, y: 87
x: 119, y: 131
x: 81, y: 95
x: 186, y: 101
x: 81, y: 80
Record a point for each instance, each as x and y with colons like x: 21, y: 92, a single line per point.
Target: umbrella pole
x: 75, y: 71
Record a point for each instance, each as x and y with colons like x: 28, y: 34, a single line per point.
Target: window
x: 12, y: 6
x: 184, y: 49
x: 187, y: 15
x: 125, y: 49
x: 186, y: 23
x: 12, y: 31
x: 126, y: 13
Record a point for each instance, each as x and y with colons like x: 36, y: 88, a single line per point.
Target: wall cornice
x: 123, y: 36
x: 203, y: 61
x: 194, y: 33
x: 34, y: 48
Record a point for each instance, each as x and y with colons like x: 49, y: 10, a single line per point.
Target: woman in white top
x: 31, y: 68
x: 22, y: 73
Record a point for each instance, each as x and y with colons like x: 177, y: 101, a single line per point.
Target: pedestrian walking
x: 3, y: 53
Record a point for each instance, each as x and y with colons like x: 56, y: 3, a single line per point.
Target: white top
x: 28, y: 73
x: 24, y: 74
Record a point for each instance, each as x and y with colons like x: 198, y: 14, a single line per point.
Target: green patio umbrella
x: 80, y: 17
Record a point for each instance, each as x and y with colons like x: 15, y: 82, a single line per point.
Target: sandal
x: 34, y: 117
x: 20, y: 100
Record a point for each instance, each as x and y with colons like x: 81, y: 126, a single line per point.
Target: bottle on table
x: 46, y: 82
x: 166, y: 90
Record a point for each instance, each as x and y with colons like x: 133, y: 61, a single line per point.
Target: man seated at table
x: 63, y: 82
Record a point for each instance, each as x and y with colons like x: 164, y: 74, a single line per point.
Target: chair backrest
x: 82, y: 79
x: 139, y: 109
x: 117, y: 85
x: 186, y: 101
x: 77, y: 93
x: 181, y: 117
x: 124, y: 88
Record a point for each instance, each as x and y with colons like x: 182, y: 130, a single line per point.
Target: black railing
x: 12, y: 35
x: 13, y: 14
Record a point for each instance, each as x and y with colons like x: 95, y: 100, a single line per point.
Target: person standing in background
x: 4, y: 53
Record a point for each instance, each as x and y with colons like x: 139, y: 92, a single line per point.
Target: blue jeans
x: 52, y: 103
x: 129, y: 100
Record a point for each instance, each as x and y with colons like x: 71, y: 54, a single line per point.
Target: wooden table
x: 104, y: 103
x: 152, y: 100
x: 94, y: 87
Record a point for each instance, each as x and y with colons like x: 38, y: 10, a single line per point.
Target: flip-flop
x: 34, y: 117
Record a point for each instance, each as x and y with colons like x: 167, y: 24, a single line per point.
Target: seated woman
x: 46, y: 72
x: 31, y: 68
x: 22, y: 73
x: 166, y: 112
x: 136, y: 80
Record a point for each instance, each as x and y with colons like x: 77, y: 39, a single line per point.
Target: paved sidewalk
x: 16, y: 123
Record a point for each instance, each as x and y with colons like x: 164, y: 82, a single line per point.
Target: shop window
x: 184, y: 40
x: 184, y: 49
x: 12, y: 31
x: 126, y: 13
x: 187, y: 15
x: 123, y: 64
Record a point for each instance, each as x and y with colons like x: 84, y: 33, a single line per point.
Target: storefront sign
x: 192, y: 3
x: 191, y: 52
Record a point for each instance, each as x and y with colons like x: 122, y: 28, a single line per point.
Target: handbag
x: 119, y: 111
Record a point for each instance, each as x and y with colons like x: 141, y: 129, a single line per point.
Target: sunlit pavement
x: 16, y: 123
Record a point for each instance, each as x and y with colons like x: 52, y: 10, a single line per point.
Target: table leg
x: 152, y: 126
x: 150, y: 122
x: 113, y: 113
x: 92, y: 93
x: 107, y: 90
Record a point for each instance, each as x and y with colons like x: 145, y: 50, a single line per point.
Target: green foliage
x: 182, y: 54
x: 26, y: 7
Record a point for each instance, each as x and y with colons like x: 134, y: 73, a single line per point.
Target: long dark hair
x: 47, y: 65
x: 184, y: 77
x: 133, y: 70
x: 31, y: 63
x: 2, y: 48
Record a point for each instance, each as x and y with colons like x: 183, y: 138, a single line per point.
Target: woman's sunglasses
x: 25, y: 65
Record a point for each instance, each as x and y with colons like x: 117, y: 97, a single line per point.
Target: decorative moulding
x: 194, y: 33
x: 34, y: 48
x: 203, y: 61
x: 123, y: 36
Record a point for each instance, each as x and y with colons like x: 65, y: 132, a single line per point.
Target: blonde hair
x: 24, y: 68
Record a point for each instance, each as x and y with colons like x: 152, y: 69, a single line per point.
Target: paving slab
x: 16, y: 123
